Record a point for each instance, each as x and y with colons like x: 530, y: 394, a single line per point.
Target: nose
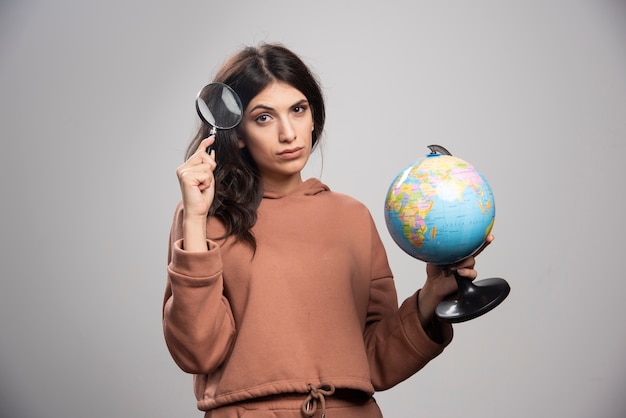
x: 287, y: 132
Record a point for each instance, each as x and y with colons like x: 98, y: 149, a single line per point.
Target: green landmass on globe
x: 439, y: 209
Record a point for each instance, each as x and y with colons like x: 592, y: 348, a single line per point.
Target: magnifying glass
x: 219, y: 106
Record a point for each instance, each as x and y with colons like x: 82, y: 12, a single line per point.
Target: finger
x: 188, y: 171
x: 197, y: 162
x: 200, y: 159
x: 467, y: 273
x: 465, y: 264
x: 488, y: 241
x: 191, y: 179
x: 205, y: 182
x: 205, y: 143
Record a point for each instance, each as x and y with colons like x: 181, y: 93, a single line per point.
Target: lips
x: 291, y: 153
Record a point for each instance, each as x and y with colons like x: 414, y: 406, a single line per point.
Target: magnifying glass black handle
x: 211, y: 134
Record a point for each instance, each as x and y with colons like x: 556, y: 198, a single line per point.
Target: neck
x: 283, y: 185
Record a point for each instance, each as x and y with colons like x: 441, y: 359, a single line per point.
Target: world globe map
x: 439, y: 209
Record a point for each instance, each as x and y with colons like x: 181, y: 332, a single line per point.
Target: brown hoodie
x: 315, y: 305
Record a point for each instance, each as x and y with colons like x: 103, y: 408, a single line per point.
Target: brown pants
x: 290, y: 406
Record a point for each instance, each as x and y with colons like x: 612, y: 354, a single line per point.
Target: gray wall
x: 97, y: 107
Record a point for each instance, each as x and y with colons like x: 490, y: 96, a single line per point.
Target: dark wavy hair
x: 238, y: 190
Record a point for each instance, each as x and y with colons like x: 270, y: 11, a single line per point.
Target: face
x: 277, y: 129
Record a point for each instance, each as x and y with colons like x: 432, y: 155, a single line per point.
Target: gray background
x: 97, y: 108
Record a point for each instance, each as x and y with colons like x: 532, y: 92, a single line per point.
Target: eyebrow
x: 267, y: 107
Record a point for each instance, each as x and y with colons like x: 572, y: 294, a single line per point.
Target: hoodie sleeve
x: 197, y: 320
x: 397, y: 345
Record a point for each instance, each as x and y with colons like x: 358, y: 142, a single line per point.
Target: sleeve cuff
x: 417, y: 334
x: 203, y: 264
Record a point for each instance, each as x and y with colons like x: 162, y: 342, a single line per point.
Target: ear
x: 240, y: 143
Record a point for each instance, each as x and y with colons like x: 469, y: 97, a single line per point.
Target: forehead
x: 277, y: 94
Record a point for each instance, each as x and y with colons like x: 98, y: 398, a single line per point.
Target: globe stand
x: 473, y: 299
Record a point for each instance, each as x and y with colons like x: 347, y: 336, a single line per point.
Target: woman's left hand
x: 440, y: 283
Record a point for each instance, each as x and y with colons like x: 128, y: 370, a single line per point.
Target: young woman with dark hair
x: 279, y: 299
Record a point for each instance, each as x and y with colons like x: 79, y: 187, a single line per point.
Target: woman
x: 279, y: 297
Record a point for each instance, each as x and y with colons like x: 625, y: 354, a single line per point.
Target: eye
x: 300, y: 108
x: 263, y: 118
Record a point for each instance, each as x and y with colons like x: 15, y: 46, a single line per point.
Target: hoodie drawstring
x: 317, y: 393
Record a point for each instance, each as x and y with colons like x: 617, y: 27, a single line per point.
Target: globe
x: 439, y: 209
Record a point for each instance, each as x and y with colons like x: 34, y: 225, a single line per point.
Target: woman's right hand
x: 196, y: 180
x: 197, y: 186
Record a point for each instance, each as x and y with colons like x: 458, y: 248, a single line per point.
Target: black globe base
x: 473, y: 299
